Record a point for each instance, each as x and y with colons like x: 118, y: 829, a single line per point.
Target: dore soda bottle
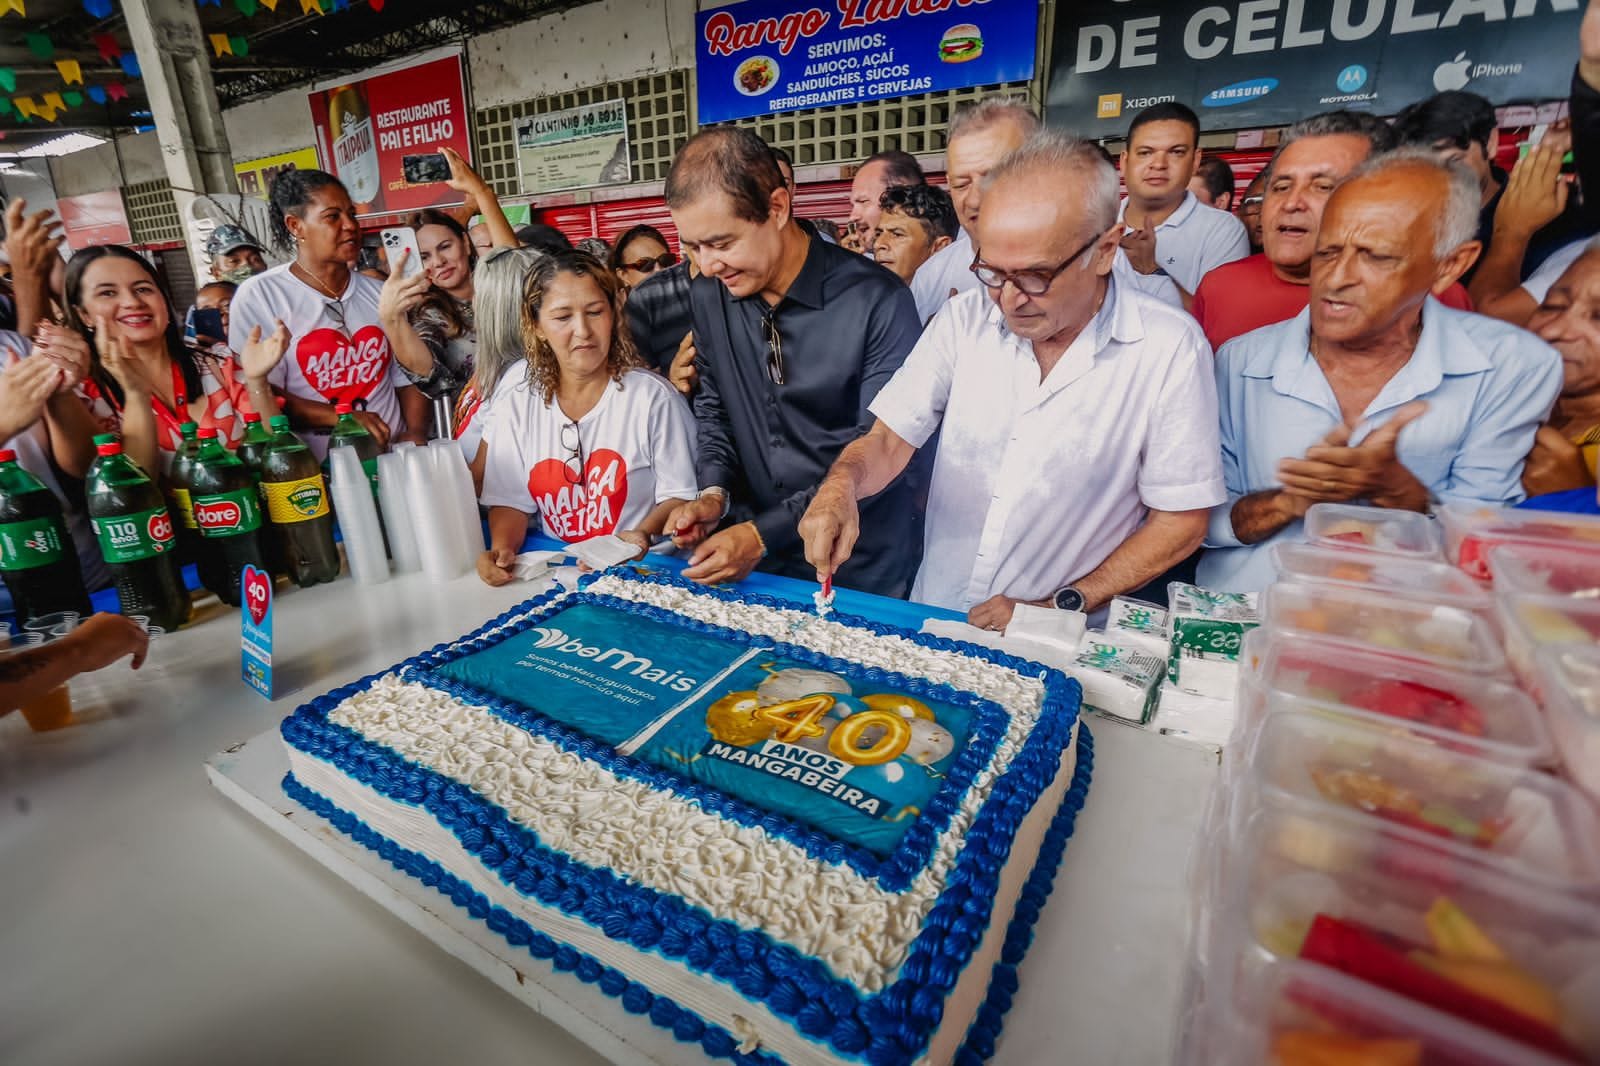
x: 227, y: 508
x: 136, y: 537
x: 297, y: 504
x: 37, y: 557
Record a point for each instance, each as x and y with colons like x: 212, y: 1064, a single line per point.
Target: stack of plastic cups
x: 358, y: 517
x: 399, y: 516
x: 1388, y: 870
x: 438, y: 533
x: 456, y: 479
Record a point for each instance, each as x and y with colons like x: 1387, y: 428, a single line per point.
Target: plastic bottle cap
x: 209, y: 433
x: 188, y: 427
x: 280, y: 421
x: 342, y: 408
x: 110, y: 447
x: 7, y: 455
x: 251, y: 418
x: 105, y: 438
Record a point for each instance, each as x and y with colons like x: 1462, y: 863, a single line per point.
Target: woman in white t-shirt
x: 588, y: 440
x: 337, y: 348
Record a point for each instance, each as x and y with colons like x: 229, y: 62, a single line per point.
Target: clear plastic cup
x: 1433, y: 582
x: 1470, y: 533
x: 53, y: 625
x: 1460, y: 712
x: 1545, y: 570
x: 1534, y: 622
x: 1443, y: 636
x: 1372, y: 529
x: 1527, y: 824
x: 1415, y: 922
x: 53, y: 710
x: 1568, y: 685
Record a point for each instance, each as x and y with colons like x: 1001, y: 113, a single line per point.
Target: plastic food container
x: 1459, y: 712
x: 1568, y: 684
x: 1373, y: 529
x: 1470, y: 533
x: 1485, y: 949
x: 1444, y: 636
x: 1534, y: 622
x: 1525, y: 823
x: 1432, y: 582
x: 1545, y: 570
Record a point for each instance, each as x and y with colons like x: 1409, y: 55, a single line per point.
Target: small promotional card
x: 255, y: 596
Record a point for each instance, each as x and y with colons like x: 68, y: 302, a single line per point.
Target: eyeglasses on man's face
x: 1034, y: 282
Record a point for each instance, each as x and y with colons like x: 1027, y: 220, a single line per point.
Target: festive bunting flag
x: 270, y: 5
x: 41, y: 45
x: 73, y: 98
x: 5, y: 105
x: 246, y: 8
x: 108, y: 47
x: 97, y: 93
x: 341, y: 5
x: 220, y: 44
x: 54, y: 102
x: 241, y: 46
x: 376, y: 5
x: 8, y: 79
x: 100, y: 9
x: 8, y: 6
x: 213, y: 3
x: 71, y: 71
x: 129, y: 63
x: 24, y: 105
x: 117, y: 91
x: 310, y: 7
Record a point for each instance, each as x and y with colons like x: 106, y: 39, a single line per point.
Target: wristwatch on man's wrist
x: 717, y: 490
x: 1068, y: 599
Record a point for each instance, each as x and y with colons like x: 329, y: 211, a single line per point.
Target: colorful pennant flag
x: 117, y: 91
x: 376, y: 5
x: 71, y: 71
x: 129, y: 63
x: 8, y: 6
x: 270, y: 5
x: 246, y: 8
x: 241, y: 45
x: 310, y: 7
x: 8, y: 79
x: 107, y: 46
x: 341, y: 5
x: 24, y: 106
x: 73, y: 98
x: 220, y: 45
x: 213, y: 3
x: 5, y: 105
x: 41, y: 45
x: 100, y: 9
x: 54, y: 102
x: 97, y: 93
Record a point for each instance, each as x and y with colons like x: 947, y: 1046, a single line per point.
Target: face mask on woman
x: 239, y: 273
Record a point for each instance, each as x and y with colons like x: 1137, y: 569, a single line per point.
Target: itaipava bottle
x: 177, y: 482
x: 136, y: 536
x: 252, y: 450
x: 297, y: 505
x: 37, y: 558
x: 227, y: 508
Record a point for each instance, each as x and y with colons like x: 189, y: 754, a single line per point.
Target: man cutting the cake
x: 1079, y: 453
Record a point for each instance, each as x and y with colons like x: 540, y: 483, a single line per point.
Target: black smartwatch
x: 1068, y: 599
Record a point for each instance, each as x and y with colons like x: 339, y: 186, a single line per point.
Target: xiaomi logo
x: 1110, y: 106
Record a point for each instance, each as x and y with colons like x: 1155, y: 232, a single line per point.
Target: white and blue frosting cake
x: 782, y: 837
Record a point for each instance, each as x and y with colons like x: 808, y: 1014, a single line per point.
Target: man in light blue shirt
x: 1376, y: 393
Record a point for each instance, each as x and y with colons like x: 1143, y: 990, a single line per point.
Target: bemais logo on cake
x: 616, y: 658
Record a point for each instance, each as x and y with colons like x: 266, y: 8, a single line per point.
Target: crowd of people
x: 1058, y: 378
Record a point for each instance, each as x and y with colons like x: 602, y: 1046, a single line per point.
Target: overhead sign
x: 762, y: 57
x: 366, y: 127
x: 94, y: 218
x: 574, y: 148
x: 1246, y: 63
x: 255, y: 175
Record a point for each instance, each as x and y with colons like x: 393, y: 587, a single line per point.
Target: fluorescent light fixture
x: 65, y: 144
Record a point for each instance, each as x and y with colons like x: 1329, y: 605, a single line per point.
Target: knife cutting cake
x: 781, y: 837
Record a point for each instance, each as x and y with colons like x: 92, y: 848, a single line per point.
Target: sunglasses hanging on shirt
x: 769, y: 330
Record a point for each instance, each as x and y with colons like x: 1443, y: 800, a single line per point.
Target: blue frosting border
x: 684, y: 1024
x: 891, y: 1027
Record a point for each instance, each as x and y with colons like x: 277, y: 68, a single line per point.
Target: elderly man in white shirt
x: 1079, y: 451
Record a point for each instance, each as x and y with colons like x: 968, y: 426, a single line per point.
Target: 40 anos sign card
x: 767, y: 56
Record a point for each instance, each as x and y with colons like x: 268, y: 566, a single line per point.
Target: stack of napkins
x: 1118, y: 679
x: 1138, y: 624
x: 531, y: 565
x: 1206, y: 630
x: 1199, y: 718
x: 1042, y: 634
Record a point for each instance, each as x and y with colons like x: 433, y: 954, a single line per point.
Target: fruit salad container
x: 1545, y: 570
x: 1534, y: 622
x: 1447, y: 637
x: 1373, y: 529
x: 1471, y: 943
x: 1471, y: 532
x: 1423, y: 797
x: 1568, y: 685
x: 1458, y: 712
x: 1431, y: 582
x: 1297, y: 1013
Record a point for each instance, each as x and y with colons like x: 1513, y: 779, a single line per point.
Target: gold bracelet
x: 759, y: 541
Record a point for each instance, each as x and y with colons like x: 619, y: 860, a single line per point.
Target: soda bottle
x: 348, y: 433
x: 136, y: 537
x: 251, y: 450
x: 178, y: 501
x: 227, y: 509
x: 37, y: 557
x: 297, y: 504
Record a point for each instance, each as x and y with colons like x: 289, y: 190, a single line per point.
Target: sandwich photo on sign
x: 961, y: 43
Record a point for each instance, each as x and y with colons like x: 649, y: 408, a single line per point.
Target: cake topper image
x: 817, y: 710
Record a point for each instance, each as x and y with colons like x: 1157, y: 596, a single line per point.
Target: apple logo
x: 1453, y: 74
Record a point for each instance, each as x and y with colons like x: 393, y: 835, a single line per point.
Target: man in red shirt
x: 1273, y: 286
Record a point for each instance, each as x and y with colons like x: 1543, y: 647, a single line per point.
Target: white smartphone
x: 397, y: 240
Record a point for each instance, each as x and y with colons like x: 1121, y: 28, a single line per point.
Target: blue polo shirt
x: 1488, y: 386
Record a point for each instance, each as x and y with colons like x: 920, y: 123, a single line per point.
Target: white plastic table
x: 144, y: 918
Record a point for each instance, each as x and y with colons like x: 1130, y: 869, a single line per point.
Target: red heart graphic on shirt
x: 257, y: 593
x: 340, y: 368
x: 590, y: 508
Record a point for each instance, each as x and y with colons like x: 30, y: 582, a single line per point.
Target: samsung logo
x: 1239, y: 92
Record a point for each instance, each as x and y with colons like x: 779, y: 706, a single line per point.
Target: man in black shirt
x: 795, y: 337
x: 658, y: 315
